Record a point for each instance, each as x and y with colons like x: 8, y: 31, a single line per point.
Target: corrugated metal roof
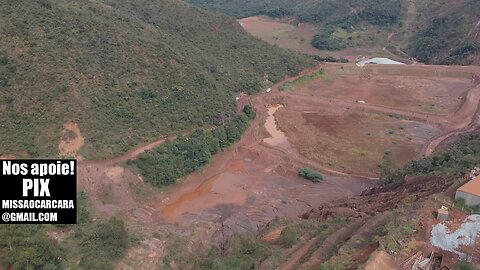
x: 472, y: 187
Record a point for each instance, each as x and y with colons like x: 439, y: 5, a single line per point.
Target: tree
x: 388, y: 172
x: 249, y: 112
x: 28, y: 247
x: 221, y: 134
x: 105, y: 244
x: 288, y: 237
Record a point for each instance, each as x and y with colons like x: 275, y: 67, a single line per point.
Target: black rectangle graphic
x: 36, y: 191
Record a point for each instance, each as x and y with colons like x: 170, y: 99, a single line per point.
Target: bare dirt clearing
x: 410, y: 93
x: 277, y: 136
x: 285, y: 35
x: 348, y: 118
x: 298, y: 36
x: 248, y: 186
x: 354, y: 142
x: 72, y: 141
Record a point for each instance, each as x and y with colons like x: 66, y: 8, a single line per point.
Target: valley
x: 246, y: 187
x: 266, y: 134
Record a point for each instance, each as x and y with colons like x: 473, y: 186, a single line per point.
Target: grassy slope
x: 440, y: 31
x: 127, y: 71
x: 449, y: 32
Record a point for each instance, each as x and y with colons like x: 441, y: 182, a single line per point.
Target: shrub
x: 310, y: 174
x: 106, y: 243
x: 249, y: 112
x: 326, y: 41
x: 28, y: 247
x: 330, y: 59
x: 288, y: 237
x: 463, y: 265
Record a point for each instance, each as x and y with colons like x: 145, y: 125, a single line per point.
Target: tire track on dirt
x: 468, y: 120
x: 463, y: 120
x: 130, y: 155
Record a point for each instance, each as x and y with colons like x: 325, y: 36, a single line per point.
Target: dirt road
x: 463, y: 120
x: 263, y: 177
x: 130, y: 155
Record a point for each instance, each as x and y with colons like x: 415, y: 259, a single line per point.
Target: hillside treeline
x: 87, y: 245
x: 455, y: 160
x: 434, y: 31
x: 174, y: 159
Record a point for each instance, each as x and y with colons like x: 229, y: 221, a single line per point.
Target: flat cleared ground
x: 441, y: 96
x: 298, y: 37
x: 347, y: 118
x: 285, y: 35
x: 354, y: 141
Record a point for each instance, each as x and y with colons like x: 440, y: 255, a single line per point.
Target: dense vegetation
x: 331, y: 16
x: 104, y: 244
x: 451, y: 38
x: 310, y: 174
x: 330, y: 59
x: 28, y: 247
x: 345, y: 13
x: 97, y: 245
x: 126, y: 71
x: 175, y: 159
x: 327, y: 41
x: 434, y: 31
x: 459, y: 157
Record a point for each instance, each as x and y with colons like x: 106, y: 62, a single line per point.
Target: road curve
x: 130, y: 155
x: 463, y: 120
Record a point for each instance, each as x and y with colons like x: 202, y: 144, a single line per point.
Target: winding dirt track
x: 465, y: 119
x: 130, y: 155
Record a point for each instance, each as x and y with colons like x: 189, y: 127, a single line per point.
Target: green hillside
x: 127, y: 71
x: 449, y: 33
x: 434, y: 31
x: 315, y: 11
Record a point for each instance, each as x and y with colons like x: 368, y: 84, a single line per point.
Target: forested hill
x: 314, y: 11
x: 127, y: 71
x: 434, y: 31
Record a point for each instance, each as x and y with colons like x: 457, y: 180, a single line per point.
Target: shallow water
x: 277, y: 136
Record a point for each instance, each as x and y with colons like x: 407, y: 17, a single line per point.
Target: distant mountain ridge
x: 434, y: 31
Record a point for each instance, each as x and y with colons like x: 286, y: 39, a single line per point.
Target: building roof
x: 472, y: 187
x: 379, y: 60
